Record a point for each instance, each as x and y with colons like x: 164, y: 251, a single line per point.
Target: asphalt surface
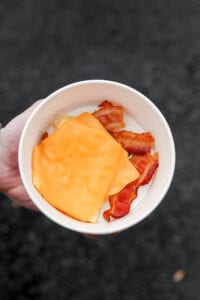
x: 153, y: 46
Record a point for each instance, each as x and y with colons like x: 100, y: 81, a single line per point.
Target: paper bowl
x: 140, y: 115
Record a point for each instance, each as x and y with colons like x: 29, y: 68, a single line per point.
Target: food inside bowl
x: 91, y: 158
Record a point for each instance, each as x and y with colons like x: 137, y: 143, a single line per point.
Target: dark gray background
x: 154, y: 46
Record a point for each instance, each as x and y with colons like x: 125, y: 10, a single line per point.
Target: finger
x: 27, y: 204
x: 91, y: 236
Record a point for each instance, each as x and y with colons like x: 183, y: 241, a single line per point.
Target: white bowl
x: 141, y: 115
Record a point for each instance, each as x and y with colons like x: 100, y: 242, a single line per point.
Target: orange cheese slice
x: 79, y: 165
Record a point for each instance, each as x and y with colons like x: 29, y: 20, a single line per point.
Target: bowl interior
x: 140, y: 115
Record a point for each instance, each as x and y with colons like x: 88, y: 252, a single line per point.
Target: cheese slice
x: 79, y: 165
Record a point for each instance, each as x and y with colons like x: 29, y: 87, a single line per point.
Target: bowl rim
x: 118, y: 226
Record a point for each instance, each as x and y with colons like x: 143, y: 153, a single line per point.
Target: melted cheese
x: 79, y: 165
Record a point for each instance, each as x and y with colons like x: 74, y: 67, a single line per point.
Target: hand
x: 10, y: 181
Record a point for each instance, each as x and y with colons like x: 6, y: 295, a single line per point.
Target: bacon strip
x: 120, y: 203
x: 135, y: 143
x: 146, y: 166
x: 110, y: 116
x: 44, y: 136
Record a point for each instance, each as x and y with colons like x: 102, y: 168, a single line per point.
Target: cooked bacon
x: 44, y: 136
x: 135, y: 143
x: 120, y: 203
x: 146, y: 166
x: 106, y: 104
x: 110, y: 116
